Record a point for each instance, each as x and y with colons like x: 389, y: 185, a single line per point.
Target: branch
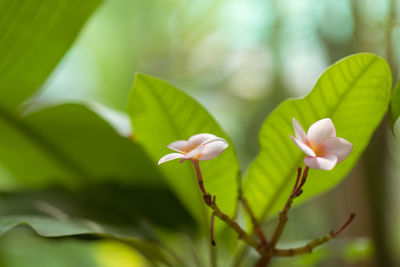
x: 297, y: 190
x: 212, y: 227
x: 217, y: 212
x: 256, y: 225
x: 308, y: 248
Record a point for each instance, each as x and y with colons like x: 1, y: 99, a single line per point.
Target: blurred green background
x: 240, y: 59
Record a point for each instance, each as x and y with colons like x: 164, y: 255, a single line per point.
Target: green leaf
x: 71, y: 145
x: 354, y: 93
x: 120, y: 206
x: 106, y: 211
x: 394, y: 110
x: 51, y: 227
x: 22, y: 249
x: 35, y: 35
x: 162, y: 114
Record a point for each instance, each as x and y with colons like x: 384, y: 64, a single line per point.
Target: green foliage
x: 162, y: 114
x: 394, y: 109
x: 51, y: 227
x: 22, y: 249
x: 354, y: 93
x: 121, y: 213
x: 129, y: 208
x: 34, y: 37
x: 72, y: 145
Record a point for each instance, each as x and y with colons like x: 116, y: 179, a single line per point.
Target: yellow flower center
x: 319, y: 150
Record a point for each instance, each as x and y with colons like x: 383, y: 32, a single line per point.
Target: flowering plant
x: 323, y: 150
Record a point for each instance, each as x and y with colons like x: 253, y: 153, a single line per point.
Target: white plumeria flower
x: 322, y: 147
x: 199, y: 147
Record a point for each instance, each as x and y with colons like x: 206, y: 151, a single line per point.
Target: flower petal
x: 321, y: 163
x: 194, y: 152
x: 213, y: 149
x: 198, y: 139
x: 303, y: 146
x: 299, y: 131
x: 337, y: 146
x: 179, y: 146
x: 169, y: 157
x: 321, y: 130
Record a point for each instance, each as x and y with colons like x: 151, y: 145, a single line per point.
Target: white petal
x: 321, y: 130
x: 193, y: 153
x: 303, y: 146
x: 179, y: 146
x: 169, y: 157
x: 213, y: 149
x: 299, y: 131
x: 321, y: 163
x: 337, y: 146
x: 198, y: 139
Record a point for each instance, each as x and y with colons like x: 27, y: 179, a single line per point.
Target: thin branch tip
x: 344, y: 226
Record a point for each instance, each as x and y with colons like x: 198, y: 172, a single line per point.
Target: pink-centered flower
x: 323, y: 149
x: 199, y: 147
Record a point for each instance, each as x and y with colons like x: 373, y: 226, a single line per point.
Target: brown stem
x: 299, y: 189
x: 254, y: 221
x: 199, y: 176
x: 297, y: 180
x: 283, y: 214
x: 308, y: 248
x: 212, y: 228
x: 217, y: 212
x: 262, y: 262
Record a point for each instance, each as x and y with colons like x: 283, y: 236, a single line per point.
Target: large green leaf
x: 69, y: 144
x: 35, y: 34
x: 22, y: 249
x: 120, y: 206
x: 162, y: 114
x: 51, y: 227
x: 354, y: 93
x: 394, y: 110
x: 107, y: 211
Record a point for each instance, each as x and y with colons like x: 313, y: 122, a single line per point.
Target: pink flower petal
x: 321, y: 130
x: 299, y: 131
x: 169, y: 157
x: 213, y: 149
x: 304, y: 147
x: 337, y: 146
x: 179, y: 146
x: 193, y: 153
x: 321, y: 163
x: 198, y: 139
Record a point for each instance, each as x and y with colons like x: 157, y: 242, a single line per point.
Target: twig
x: 308, y: 248
x: 283, y: 214
x: 297, y: 180
x: 212, y: 227
x: 199, y: 177
x: 217, y: 212
x: 256, y: 226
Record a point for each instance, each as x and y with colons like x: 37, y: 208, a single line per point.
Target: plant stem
x: 217, y: 212
x: 308, y: 248
x: 212, y: 228
x: 283, y: 214
x: 266, y: 249
x: 254, y: 221
x: 199, y: 176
